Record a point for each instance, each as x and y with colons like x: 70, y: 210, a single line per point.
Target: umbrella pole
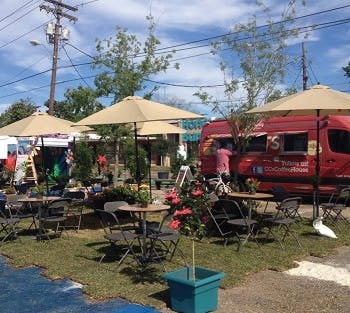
x: 149, y: 165
x: 317, y: 187
x: 137, y: 159
x: 43, y: 165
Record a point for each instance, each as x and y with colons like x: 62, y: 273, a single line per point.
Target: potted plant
x: 252, y: 184
x: 193, y: 289
x: 143, y: 198
x: 39, y: 190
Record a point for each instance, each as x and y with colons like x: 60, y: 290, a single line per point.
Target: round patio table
x: 42, y: 202
x: 250, y: 196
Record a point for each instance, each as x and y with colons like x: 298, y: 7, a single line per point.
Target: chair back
x: 112, y: 206
x: 343, y: 197
x: 222, y: 211
x: 289, y: 207
x: 110, y: 223
x: 279, y: 194
x: 226, y: 208
x: 57, y: 207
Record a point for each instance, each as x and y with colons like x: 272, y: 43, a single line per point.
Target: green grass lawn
x: 76, y: 257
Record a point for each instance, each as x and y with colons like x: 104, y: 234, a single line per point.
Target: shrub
x: 119, y: 193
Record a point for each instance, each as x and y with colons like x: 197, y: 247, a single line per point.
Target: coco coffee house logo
x: 193, y: 129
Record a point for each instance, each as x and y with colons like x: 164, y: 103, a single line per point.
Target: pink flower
x: 197, y: 193
x: 171, y: 195
x: 185, y: 211
x: 174, y: 224
x: 176, y: 200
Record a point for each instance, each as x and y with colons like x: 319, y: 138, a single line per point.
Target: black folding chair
x: 54, y: 214
x: 334, y: 208
x: 75, y: 209
x: 282, y: 222
x: 220, y: 213
x: 165, y: 241
x: 119, y: 239
x: 244, y: 227
x: 21, y: 210
x: 8, y: 224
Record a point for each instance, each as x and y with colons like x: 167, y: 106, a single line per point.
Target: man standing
x: 223, y: 161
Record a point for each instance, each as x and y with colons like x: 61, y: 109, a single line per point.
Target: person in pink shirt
x: 223, y: 161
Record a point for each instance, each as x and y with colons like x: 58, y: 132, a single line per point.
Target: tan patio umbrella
x: 135, y: 109
x: 154, y: 128
x: 40, y: 124
x: 319, y: 100
x: 158, y: 127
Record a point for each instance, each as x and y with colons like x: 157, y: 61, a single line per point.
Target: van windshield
x: 339, y: 141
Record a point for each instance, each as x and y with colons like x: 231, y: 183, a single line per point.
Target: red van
x: 282, y: 152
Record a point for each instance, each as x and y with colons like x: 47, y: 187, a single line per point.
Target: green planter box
x: 199, y: 296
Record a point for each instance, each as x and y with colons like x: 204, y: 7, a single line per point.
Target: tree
x: 79, y: 103
x: 127, y: 64
x: 278, y: 94
x: 17, y: 111
x: 83, y: 161
x: 261, y: 51
x: 346, y: 69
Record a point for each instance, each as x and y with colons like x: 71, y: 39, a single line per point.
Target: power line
x: 17, y: 19
x: 258, y: 27
x: 325, y: 25
x: 75, y: 68
x: 15, y: 11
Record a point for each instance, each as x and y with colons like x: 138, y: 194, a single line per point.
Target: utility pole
x: 305, y: 78
x: 54, y: 34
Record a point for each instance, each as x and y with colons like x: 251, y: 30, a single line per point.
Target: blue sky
x: 178, y: 22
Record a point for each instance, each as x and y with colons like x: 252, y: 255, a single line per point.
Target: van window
x: 295, y: 142
x: 257, y: 144
x: 339, y: 141
x: 229, y: 142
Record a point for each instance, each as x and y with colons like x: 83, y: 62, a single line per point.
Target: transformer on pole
x: 55, y: 33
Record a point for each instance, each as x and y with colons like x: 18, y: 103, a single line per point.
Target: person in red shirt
x: 102, y: 163
x: 223, y: 161
x: 11, y: 160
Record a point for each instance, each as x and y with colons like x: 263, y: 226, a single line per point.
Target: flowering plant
x: 143, y: 196
x: 252, y: 184
x: 189, y: 206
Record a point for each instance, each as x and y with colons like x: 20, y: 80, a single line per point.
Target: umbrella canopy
x: 136, y: 109
x: 319, y: 100
x: 158, y: 127
x: 39, y: 124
